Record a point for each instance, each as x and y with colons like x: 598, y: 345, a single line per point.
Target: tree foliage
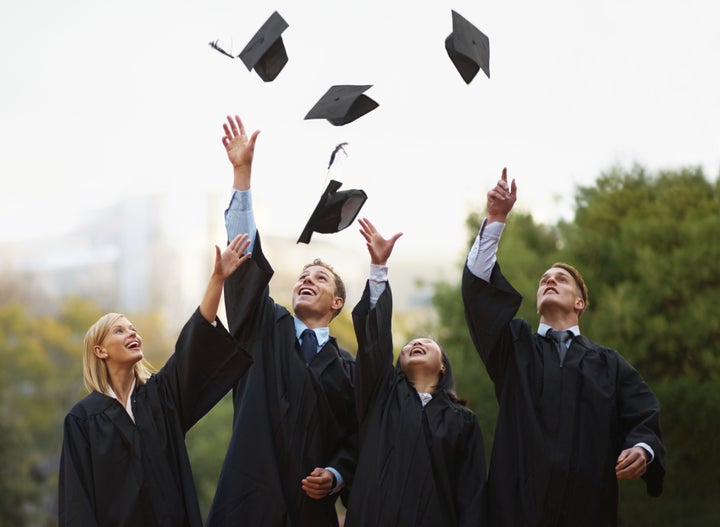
x: 648, y: 247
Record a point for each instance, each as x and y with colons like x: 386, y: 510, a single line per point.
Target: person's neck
x: 121, y: 382
x: 424, y: 384
x: 559, y: 321
x: 314, y: 322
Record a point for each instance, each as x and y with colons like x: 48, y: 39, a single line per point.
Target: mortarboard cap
x: 468, y: 48
x: 334, y: 212
x: 342, y: 104
x: 266, y: 52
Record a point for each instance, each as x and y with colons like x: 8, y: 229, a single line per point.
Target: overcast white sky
x: 101, y: 100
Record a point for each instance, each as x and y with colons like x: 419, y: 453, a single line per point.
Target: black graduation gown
x: 288, y: 418
x: 417, y: 466
x: 559, y: 429
x: 114, y: 472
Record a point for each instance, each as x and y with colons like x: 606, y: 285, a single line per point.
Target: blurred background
x: 114, y: 182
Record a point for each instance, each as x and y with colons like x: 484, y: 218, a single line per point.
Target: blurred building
x: 155, y: 253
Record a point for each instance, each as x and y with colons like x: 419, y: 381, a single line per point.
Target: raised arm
x: 379, y: 248
x: 240, y: 151
x: 226, y: 262
x: 372, y: 319
x: 500, y: 199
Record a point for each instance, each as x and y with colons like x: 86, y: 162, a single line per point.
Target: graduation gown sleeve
x: 114, y: 471
x: 560, y: 427
x: 374, y: 362
x: 418, y: 466
x: 288, y: 417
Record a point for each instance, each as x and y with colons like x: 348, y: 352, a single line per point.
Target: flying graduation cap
x: 335, y: 210
x: 342, y: 104
x: 468, y: 48
x: 266, y: 52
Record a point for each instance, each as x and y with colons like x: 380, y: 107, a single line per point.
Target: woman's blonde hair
x: 95, y: 372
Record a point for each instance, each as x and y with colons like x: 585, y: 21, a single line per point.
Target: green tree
x: 528, y: 249
x: 648, y: 247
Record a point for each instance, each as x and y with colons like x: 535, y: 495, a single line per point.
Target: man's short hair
x: 578, y: 281
x: 339, y: 284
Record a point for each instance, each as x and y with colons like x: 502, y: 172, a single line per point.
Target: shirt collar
x: 128, y: 408
x: 322, y: 334
x: 543, y: 328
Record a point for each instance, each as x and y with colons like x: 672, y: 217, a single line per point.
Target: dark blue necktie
x: 560, y: 338
x: 308, y: 345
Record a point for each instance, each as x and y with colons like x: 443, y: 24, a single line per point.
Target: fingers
x: 631, y: 464
x: 367, y: 224
x: 239, y: 241
x: 318, y: 484
x: 238, y: 246
x: 235, y: 125
x: 251, y: 141
x: 502, y: 191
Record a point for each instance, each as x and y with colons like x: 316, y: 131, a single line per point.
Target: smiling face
x: 315, y: 295
x: 559, y: 292
x: 421, y: 356
x: 122, y: 346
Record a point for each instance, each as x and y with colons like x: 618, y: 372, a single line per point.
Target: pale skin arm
x: 378, y: 247
x: 240, y: 151
x: 500, y: 199
x: 226, y: 262
x: 632, y: 463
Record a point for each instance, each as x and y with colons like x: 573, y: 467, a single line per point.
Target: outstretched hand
x: 232, y: 257
x: 378, y: 247
x: 240, y: 149
x: 501, y: 198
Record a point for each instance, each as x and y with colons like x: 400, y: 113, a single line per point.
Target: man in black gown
x: 574, y: 417
x: 294, y: 428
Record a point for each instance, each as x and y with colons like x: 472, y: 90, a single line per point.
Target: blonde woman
x: 124, y: 460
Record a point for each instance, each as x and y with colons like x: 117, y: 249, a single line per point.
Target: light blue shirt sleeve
x: 339, y: 483
x: 483, y: 253
x: 239, y: 217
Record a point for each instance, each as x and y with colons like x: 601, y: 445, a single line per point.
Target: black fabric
x: 114, y: 472
x: 288, y: 418
x: 559, y: 429
x: 308, y: 345
x: 266, y: 51
x: 418, y: 466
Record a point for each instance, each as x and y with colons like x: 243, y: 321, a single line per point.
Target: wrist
x: 499, y: 218
x: 241, y: 177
